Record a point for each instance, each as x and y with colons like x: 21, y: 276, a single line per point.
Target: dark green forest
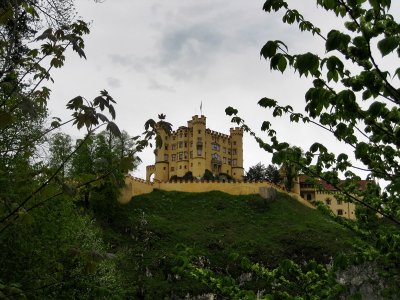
x: 63, y: 234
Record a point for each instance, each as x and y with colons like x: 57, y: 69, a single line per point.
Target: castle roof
x: 362, y: 184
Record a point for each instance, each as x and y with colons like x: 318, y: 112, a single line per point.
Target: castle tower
x: 198, y: 125
x: 236, y: 135
x: 162, y: 164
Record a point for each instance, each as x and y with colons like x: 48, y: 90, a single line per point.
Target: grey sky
x: 167, y: 56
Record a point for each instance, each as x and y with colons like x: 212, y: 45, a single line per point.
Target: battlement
x: 236, y: 131
x: 217, y: 134
x: 198, y: 120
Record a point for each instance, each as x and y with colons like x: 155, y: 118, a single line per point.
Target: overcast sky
x: 169, y: 56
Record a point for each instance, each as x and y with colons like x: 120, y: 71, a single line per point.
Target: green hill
x: 144, y: 234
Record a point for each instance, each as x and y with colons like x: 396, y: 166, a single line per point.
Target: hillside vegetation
x: 145, y: 232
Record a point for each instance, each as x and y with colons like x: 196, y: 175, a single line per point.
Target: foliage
x: 287, y: 281
x: 50, y: 249
x: 208, y: 175
x: 215, y: 225
x: 353, y: 98
x: 260, y: 173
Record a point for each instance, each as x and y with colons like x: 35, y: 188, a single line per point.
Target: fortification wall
x: 136, y: 186
x: 133, y: 187
x: 233, y: 188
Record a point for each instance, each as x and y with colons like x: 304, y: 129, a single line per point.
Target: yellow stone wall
x: 136, y: 186
x: 344, y: 209
x: 196, y: 148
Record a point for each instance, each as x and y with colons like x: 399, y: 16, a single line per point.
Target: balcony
x: 216, y: 161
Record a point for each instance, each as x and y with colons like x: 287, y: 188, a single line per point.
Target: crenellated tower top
x: 236, y: 131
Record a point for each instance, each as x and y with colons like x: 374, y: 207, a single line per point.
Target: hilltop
x: 144, y: 234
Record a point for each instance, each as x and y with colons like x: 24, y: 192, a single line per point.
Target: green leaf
x: 282, y: 64
x: 267, y: 102
x: 269, y: 49
x: 388, y: 45
x: 337, y: 40
x: 265, y: 125
x: 113, y: 128
x: 307, y: 63
x: 274, y: 5
x: 231, y: 111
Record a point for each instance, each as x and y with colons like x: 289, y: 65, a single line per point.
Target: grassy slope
x: 215, y: 225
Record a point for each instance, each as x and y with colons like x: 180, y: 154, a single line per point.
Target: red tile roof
x: 362, y: 184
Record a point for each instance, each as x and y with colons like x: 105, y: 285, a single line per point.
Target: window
x: 173, y: 137
x: 234, y: 142
x: 229, y: 151
x: 199, y: 131
x: 180, y: 135
x: 180, y: 167
x: 199, y: 139
x: 339, y: 202
x: 234, y: 151
x: 164, y: 168
x: 185, y: 155
x: 215, y: 147
x: 172, y: 169
x: 234, y: 162
x: 191, y: 164
x: 185, y: 166
x: 191, y: 144
x: 166, y: 147
x: 328, y: 201
x: 224, y: 160
x: 173, y: 157
x: 308, y: 196
x: 180, y: 144
x: 185, y: 134
x: 229, y: 161
x: 215, y: 156
x: 191, y: 154
x: 173, y: 146
x: 185, y: 144
x: 180, y: 155
x: 165, y: 156
x: 224, y: 150
x: 198, y: 151
x: 340, y: 212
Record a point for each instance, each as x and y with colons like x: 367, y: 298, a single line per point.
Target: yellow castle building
x: 195, y: 148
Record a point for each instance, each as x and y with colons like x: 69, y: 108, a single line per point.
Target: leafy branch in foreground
x: 357, y: 101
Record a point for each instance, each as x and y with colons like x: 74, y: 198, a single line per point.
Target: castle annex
x: 195, y: 148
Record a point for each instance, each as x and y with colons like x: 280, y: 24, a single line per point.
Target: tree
x: 353, y: 98
x: 256, y: 172
x: 36, y: 211
x: 272, y: 174
x: 289, y: 161
x: 261, y: 173
x: 60, y: 146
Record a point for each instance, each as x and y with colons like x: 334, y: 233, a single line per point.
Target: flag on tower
x: 201, y: 108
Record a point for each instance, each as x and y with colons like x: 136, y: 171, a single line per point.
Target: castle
x: 195, y: 148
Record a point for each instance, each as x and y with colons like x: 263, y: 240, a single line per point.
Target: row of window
x: 329, y: 201
x: 214, y: 147
x: 184, y: 155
